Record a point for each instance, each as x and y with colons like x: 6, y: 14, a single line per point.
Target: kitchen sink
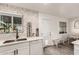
x: 9, y: 41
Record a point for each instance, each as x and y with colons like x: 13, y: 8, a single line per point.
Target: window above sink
x: 9, y: 23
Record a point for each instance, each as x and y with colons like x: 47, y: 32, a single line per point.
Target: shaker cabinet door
x: 23, y: 48
x: 10, y: 52
x: 23, y: 51
x: 7, y: 50
x: 36, y: 47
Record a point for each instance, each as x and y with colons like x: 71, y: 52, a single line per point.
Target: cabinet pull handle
x: 17, y: 51
x: 14, y: 52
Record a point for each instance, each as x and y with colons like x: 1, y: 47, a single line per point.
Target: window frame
x: 13, y: 15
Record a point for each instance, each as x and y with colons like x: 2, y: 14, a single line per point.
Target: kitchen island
x: 76, y: 47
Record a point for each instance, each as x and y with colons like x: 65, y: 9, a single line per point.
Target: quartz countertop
x: 76, y: 42
x: 28, y: 39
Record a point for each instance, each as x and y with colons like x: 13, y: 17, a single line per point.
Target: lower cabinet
x: 23, y: 51
x: 15, y: 49
x: 7, y: 50
x: 24, y: 48
x: 36, y: 47
x: 11, y: 52
x: 76, y: 49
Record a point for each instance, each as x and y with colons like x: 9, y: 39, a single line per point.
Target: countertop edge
x: 76, y: 42
x: 17, y: 42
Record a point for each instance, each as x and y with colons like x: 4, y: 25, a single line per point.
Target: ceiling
x: 57, y: 9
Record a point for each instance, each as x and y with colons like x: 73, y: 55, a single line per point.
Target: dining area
x: 59, y: 34
x: 63, y: 45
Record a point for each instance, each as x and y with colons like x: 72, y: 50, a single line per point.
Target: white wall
x: 73, y: 31
x: 46, y: 23
x: 49, y: 23
x: 28, y: 15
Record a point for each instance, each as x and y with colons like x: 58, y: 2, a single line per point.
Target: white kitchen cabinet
x: 23, y: 51
x: 7, y: 50
x: 36, y: 47
x: 33, y: 47
x: 15, y: 49
x: 23, y: 48
x: 76, y: 49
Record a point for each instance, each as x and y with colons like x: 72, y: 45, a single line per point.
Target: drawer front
x: 7, y: 48
x: 23, y: 51
x: 76, y: 49
x: 36, y: 50
x: 23, y: 48
x: 76, y: 52
x: 22, y: 45
x: 36, y: 42
x: 9, y: 52
x: 36, y: 47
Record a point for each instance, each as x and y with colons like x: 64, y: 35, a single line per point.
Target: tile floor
x: 66, y: 49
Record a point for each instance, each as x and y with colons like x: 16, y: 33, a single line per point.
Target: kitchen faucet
x: 17, y: 36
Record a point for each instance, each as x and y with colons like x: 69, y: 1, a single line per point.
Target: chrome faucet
x: 17, y: 36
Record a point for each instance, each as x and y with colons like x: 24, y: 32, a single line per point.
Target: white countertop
x: 76, y: 42
x: 28, y: 39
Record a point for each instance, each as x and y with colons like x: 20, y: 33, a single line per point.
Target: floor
x: 66, y: 49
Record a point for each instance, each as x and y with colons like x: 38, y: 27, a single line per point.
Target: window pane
x: 6, y: 19
x: 17, y: 23
x: 5, y: 24
x: 17, y: 20
x: 62, y: 26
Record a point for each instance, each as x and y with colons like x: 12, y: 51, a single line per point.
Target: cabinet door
x: 76, y: 49
x: 36, y: 47
x: 9, y: 52
x: 23, y: 48
x: 23, y: 51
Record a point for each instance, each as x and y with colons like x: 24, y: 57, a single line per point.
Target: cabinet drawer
x: 23, y: 51
x: 36, y: 47
x: 76, y: 47
x: 36, y: 50
x: 9, y: 52
x: 36, y: 42
x: 7, y: 48
x: 76, y: 52
x: 22, y: 45
x: 23, y: 48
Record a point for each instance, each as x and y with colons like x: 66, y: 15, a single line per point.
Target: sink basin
x: 21, y: 39
x: 9, y: 41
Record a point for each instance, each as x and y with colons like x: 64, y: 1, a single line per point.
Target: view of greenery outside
x: 6, y: 24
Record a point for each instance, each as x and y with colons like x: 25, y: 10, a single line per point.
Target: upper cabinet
x: 10, y: 22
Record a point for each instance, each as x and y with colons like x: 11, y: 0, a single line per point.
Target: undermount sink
x: 21, y: 39
x: 9, y: 41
